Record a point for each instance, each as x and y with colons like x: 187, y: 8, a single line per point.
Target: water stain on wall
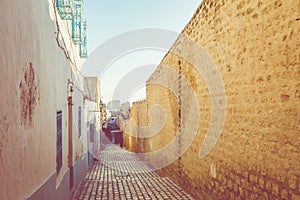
x: 298, y: 19
x: 29, y: 98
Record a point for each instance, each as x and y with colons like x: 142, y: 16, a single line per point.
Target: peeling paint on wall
x: 29, y: 98
x: 4, y: 126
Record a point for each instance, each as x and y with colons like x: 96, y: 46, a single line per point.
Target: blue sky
x: 108, y: 18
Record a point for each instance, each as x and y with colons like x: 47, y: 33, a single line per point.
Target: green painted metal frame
x: 77, y: 21
x: 65, y: 9
x: 73, y: 10
x: 83, y: 45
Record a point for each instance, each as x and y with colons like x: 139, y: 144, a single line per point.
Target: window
x: 79, y: 121
x: 92, y: 133
x: 58, y: 141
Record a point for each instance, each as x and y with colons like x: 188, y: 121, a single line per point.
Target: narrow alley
x: 140, y: 99
x: 120, y: 174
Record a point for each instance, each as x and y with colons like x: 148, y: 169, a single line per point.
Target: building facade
x: 43, y: 132
x: 92, y: 110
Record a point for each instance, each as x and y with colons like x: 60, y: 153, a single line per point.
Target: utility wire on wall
x: 66, y: 53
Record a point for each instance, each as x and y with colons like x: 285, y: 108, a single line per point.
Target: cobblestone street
x: 120, y: 174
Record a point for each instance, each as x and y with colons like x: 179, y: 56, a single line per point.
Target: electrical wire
x: 63, y: 48
x: 73, y: 68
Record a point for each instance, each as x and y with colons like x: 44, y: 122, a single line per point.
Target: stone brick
x: 255, y: 46
x: 123, y: 175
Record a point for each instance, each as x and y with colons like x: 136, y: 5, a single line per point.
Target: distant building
x: 114, y: 107
x: 93, y: 114
x: 125, y: 110
x: 92, y: 89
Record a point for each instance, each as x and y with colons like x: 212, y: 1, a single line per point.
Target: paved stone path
x: 120, y: 174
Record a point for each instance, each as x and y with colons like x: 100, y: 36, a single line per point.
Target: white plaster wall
x: 79, y: 143
x: 92, y: 117
x: 28, y: 151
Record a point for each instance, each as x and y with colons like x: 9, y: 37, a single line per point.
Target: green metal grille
x: 73, y: 10
x: 83, y: 45
x: 64, y: 8
x: 77, y: 22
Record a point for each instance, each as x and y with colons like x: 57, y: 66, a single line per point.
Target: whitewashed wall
x: 33, y: 87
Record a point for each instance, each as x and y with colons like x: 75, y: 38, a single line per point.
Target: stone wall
x: 132, y: 133
x: 255, y: 46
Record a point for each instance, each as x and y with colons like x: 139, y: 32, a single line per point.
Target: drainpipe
x: 70, y: 137
x: 138, y: 129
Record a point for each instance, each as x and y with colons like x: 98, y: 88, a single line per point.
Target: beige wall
x: 34, y: 82
x: 255, y: 46
x: 135, y: 127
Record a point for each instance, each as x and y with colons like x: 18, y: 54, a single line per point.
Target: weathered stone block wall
x: 256, y: 48
x: 135, y: 127
x: 158, y: 94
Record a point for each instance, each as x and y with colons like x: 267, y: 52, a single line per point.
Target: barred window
x: 58, y: 141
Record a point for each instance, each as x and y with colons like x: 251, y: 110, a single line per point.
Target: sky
x: 109, y: 18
